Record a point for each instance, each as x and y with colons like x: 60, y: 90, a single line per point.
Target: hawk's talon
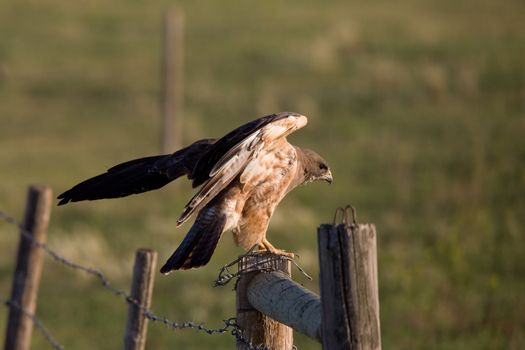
x: 265, y: 245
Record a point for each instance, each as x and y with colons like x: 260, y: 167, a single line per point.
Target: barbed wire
x: 225, y: 275
x: 230, y: 324
x: 10, y: 303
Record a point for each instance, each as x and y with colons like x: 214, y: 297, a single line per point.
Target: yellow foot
x: 265, y: 245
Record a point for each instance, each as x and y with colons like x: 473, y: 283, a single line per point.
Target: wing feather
x: 138, y: 175
x: 207, y: 162
x: 237, y: 154
x: 229, y: 168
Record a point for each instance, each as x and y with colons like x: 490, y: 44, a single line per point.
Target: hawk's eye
x: 323, y: 166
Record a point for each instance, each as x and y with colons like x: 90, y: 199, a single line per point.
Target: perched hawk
x: 243, y: 177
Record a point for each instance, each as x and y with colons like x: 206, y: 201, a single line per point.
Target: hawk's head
x: 315, y: 167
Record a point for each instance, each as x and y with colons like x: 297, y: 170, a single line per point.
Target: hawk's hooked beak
x: 327, y: 177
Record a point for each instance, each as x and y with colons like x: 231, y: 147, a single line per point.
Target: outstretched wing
x: 139, y: 175
x: 226, y: 143
x: 230, y: 155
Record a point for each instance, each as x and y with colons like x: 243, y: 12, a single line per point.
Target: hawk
x: 242, y: 177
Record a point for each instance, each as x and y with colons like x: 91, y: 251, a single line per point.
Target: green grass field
x: 418, y: 106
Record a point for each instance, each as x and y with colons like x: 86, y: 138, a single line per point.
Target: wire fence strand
x: 230, y: 324
x: 38, y: 324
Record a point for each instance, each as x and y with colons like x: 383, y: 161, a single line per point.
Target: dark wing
x: 228, y: 157
x: 139, y: 175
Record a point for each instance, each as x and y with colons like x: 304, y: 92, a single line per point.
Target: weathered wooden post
x: 349, y: 290
x: 141, y: 292
x: 28, y: 270
x: 256, y: 326
x: 172, y: 76
x: 286, y: 301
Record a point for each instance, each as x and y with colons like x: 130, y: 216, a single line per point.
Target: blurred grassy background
x: 419, y: 107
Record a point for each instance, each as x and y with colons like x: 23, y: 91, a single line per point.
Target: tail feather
x: 199, y: 244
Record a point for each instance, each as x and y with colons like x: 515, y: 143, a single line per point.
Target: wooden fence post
x: 349, y: 291
x: 256, y: 326
x: 141, y: 291
x: 28, y: 270
x: 172, y: 76
x: 277, y: 296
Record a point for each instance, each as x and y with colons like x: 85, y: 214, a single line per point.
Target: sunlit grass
x: 418, y: 106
